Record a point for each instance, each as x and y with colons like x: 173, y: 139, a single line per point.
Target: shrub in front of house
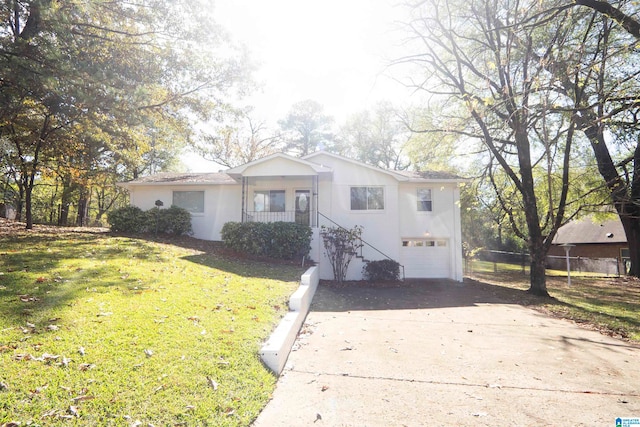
x: 383, y: 270
x: 281, y: 240
x: 132, y: 219
x: 174, y: 220
x: 129, y: 219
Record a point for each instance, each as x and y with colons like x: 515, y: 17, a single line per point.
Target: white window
x: 193, y: 201
x: 422, y: 243
x: 424, y: 200
x: 367, y: 198
x: 269, y: 201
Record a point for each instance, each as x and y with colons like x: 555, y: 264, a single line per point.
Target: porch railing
x: 285, y: 216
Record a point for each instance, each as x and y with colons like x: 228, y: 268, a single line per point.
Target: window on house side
x: 424, y: 200
x: 269, y: 201
x: 367, y: 198
x: 193, y: 201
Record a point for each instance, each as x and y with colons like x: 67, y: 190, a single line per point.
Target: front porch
x: 285, y: 198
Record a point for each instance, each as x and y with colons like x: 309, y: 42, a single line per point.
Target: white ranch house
x: 410, y: 217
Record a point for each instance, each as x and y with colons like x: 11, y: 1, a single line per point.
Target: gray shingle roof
x: 430, y: 175
x: 184, y: 178
x: 589, y: 231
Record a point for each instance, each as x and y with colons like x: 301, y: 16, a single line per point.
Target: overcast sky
x: 332, y: 51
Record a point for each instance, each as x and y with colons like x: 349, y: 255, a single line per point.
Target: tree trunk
x: 538, y: 283
x: 27, y: 204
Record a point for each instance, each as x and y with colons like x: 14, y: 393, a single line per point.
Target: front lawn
x: 608, y: 304
x: 102, y: 330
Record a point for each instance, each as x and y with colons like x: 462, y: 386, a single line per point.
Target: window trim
x: 367, y: 196
x: 419, y: 201
x: 268, y: 193
x: 192, y: 212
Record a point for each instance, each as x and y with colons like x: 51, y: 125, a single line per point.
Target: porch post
x: 314, y: 201
x: 243, y: 212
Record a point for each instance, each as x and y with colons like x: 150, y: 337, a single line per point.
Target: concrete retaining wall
x: 275, y: 351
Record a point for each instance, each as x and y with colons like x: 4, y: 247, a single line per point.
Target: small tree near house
x: 341, y: 245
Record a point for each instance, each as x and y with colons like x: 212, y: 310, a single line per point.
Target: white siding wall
x: 222, y: 203
x: 380, y: 228
x: 441, y: 223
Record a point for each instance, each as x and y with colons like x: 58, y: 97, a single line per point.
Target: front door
x: 303, y: 206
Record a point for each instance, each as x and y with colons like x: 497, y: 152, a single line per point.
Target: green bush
x: 132, y: 219
x: 382, y: 270
x: 174, y: 220
x: 281, y: 240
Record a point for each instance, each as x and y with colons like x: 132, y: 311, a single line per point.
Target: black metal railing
x: 364, y: 243
x: 284, y: 216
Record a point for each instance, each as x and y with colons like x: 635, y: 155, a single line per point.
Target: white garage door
x: 426, y: 258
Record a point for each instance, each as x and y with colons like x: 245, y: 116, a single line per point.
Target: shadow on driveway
x: 417, y: 294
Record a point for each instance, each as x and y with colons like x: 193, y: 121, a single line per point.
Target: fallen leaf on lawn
x: 229, y: 411
x: 73, y: 411
x: 41, y: 280
x: 65, y: 361
x: 104, y: 314
x: 139, y: 365
x: 159, y: 388
x: 31, y: 325
x: 3, y: 386
x: 227, y: 331
x: 82, y: 398
x: 190, y: 407
x: 51, y: 413
x: 86, y: 366
x: 52, y: 327
x: 251, y: 307
x: 65, y: 388
x: 23, y: 356
x: 53, y: 319
x: 194, y: 318
x: 81, y: 351
x: 212, y: 383
x: 27, y: 298
x: 221, y: 361
x: 148, y: 352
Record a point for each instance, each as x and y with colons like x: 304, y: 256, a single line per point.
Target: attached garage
x: 426, y: 258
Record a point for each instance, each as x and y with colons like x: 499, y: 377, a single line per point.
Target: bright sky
x: 331, y: 51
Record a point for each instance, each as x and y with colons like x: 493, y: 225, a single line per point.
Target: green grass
x: 136, y: 330
x: 608, y: 304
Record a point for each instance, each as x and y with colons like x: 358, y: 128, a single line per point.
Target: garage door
x: 426, y: 258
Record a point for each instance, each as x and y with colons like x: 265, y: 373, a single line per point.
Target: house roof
x: 588, y: 230
x: 430, y: 176
x: 285, y: 165
x: 299, y: 165
x: 172, y: 178
x: 409, y: 176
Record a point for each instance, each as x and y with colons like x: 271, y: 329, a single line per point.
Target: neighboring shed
x: 592, y: 239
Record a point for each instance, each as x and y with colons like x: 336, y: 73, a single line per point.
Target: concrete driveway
x: 448, y: 354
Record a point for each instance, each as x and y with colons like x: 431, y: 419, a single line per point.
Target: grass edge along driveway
x: 103, y: 330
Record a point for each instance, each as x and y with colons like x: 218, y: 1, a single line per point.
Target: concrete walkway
x: 446, y: 354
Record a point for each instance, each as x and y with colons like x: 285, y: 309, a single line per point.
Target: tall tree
x: 306, y: 128
x: 125, y: 67
x: 241, y: 140
x: 378, y: 137
x: 489, y: 58
x: 602, y: 84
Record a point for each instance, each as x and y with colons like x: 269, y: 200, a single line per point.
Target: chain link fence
x: 501, y: 261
